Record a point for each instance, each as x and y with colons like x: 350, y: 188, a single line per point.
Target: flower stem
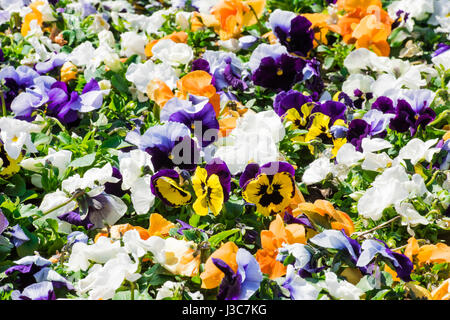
x: 3, y: 103
x: 76, y: 195
x: 377, y: 227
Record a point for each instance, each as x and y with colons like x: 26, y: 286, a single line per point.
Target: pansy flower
x: 413, y: 110
x: 211, y: 186
x: 165, y: 186
x: 240, y: 285
x: 272, y: 67
x: 271, y: 189
x: 372, y: 248
x: 169, y: 144
x: 272, y: 240
x: 200, y: 118
x: 293, y: 31
x: 212, y: 276
x: 320, y: 209
x: 320, y: 128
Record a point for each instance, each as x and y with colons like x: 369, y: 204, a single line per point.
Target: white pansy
x: 254, y: 139
x: 133, y: 43
x: 106, y: 38
x: 131, y: 167
x: 170, y: 289
x: 15, y: 134
x: 229, y: 45
x: 101, y: 251
x: 103, y: 281
x: 54, y: 200
x: 389, y: 188
x: 170, y: 253
x: 299, y: 252
x: 299, y: 288
x: 417, y: 150
x: 417, y: 9
x: 318, y: 170
x: 341, y: 289
x: 182, y: 19
x: 357, y: 81
x: 141, y: 74
x: 94, y: 179
x: 172, y: 53
x: 410, y: 217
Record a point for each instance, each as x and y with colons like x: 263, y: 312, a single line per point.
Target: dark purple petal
x: 384, y: 104
x: 299, y: 39
x: 200, y: 64
x: 279, y: 74
x: 218, y: 167
x: 230, y: 287
x: 301, y: 219
x: 358, y: 129
x: 334, y: 109
x: 169, y: 173
x: 92, y: 85
x: 271, y: 168
x: 250, y: 172
x: 115, y: 188
x: 286, y: 100
x: 74, y: 218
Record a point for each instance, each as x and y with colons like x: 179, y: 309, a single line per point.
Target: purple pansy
x: 279, y: 73
x: 334, y: 109
x: 371, y: 248
x: 293, y: 31
x: 167, y: 143
x: 200, y: 118
x: 242, y: 284
x: 54, y: 62
x: 413, y: 110
x: 218, y: 167
x: 286, y: 100
x: 18, y: 236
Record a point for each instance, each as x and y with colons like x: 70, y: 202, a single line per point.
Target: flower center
x: 279, y: 72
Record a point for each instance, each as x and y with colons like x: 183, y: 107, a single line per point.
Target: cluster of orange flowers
x: 365, y: 24
x: 229, y: 17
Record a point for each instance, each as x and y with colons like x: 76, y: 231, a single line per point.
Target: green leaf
x: 85, y: 161
x: 28, y: 248
x: 16, y: 186
x: 216, y: 239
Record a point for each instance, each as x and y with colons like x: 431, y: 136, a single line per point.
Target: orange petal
x: 159, y: 92
x: 269, y: 264
x: 212, y: 276
x: 159, y: 226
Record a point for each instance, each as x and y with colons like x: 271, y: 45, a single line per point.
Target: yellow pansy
x: 271, y: 193
x: 209, y: 192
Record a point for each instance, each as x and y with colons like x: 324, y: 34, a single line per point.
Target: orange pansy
x: 198, y: 83
x: 338, y: 219
x: 159, y: 226
x: 319, y: 25
x: 442, y: 292
x: 212, y: 276
x: 272, y: 240
x: 159, y: 91
x: 35, y: 14
x: 350, y: 5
